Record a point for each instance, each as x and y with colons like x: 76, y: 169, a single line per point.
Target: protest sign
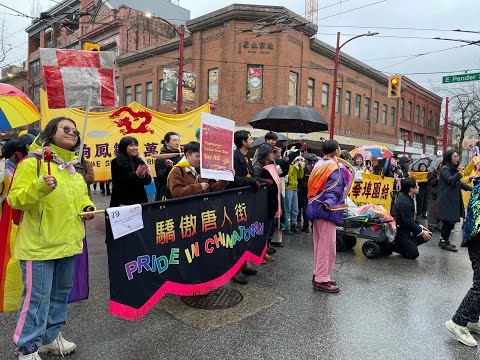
x: 216, y: 150
x: 374, y: 189
x: 419, y: 176
x: 72, y: 76
x: 105, y: 130
x: 188, y: 246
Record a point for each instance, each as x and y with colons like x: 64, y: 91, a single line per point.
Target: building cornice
x: 250, y: 13
x: 66, y: 6
x: 151, y: 51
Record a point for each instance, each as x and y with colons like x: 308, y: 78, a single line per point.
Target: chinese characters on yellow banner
x: 419, y: 176
x: 373, y: 190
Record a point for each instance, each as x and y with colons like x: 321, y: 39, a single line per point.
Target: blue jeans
x: 47, y: 285
x: 291, y: 206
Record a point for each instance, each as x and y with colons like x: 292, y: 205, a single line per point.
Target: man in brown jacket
x: 184, y: 180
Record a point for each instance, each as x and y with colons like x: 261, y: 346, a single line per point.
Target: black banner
x: 188, y: 246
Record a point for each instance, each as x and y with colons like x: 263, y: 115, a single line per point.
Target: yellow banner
x: 105, y: 129
x: 419, y: 176
x: 373, y: 190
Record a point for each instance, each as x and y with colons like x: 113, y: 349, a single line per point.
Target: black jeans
x: 447, y: 228
x: 421, y: 199
x: 469, y: 310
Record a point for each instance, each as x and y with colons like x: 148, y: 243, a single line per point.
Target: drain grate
x: 221, y: 298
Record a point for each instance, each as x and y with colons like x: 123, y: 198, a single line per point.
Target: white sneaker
x: 59, y: 346
x: 461, y: 333
x: 32, y: 356
x: 475, y: 327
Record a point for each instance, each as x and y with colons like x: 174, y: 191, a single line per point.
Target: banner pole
x: 84, y: 130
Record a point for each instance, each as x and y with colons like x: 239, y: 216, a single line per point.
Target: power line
x: 11, y: 9
x: 347, y: 11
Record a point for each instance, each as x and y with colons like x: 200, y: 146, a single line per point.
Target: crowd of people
x: 305, y: 192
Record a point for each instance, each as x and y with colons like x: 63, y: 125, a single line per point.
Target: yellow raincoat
x: 467, y: 172
x: 51, y: 227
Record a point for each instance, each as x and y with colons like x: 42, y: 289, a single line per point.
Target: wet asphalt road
x: 388, y: 308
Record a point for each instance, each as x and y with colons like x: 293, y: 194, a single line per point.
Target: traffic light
x: 87, y: 46
x: 394, y: 86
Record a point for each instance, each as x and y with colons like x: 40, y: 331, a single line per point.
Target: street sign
x: 461, y: 78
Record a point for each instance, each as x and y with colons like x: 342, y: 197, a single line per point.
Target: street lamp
x: 181, y: 34
x: 335, y: 75
x: 445, y: 125
x: 405, y: 136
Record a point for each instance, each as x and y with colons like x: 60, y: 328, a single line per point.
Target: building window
x: 348, y: 102
x: 392, y: 117
x: 358, y: 103
x: 375, y: 111
x: 402, y: 108
x: 430, y: 114
x: 128, y: 95
x: 160, y: 93
x: 325, y: 91
x: 138, y: 93
x: 423, y: 116
x: 435, y: 120
x: 36, y: 94
x: 292, y: 88
x: 384, y: 115
x: 213, y: 85
x: 254, y: 83
x: 418, y: 138
x: 430, y: 140
x: 149, y: 100
x: 366, y: 109
x: 311, y: 92
x: 409, y: 111
x: 417, y: 113
x: 117, y: 89
x: 338, y: 98
x: 34, y: 68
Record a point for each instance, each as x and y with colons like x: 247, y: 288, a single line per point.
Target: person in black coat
x: 410, y: 234
x: 432, y: 220
x: 163, y: 165
x: 450, y: 202
x: 422, y: 194
x: 129, y: 175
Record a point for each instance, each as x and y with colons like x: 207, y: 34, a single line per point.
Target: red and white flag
x: 70, y: 76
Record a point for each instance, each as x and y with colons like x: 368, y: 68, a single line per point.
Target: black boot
x: 294, y: 229
x: 445, y: 245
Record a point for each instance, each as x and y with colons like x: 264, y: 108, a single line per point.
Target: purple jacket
x: 330, y: 205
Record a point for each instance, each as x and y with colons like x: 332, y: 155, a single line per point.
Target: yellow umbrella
x: 16, y: 109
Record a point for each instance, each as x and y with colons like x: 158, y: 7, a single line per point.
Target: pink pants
x: 324, y: 249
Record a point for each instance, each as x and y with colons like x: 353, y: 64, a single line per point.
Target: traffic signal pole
x: 335, y: 76
x: 445, y: 126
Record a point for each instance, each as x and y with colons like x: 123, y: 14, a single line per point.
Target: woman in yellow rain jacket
x: 49, y: 235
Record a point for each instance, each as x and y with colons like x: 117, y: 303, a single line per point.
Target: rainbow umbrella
x: 16, y: 109
x: 367, y: 151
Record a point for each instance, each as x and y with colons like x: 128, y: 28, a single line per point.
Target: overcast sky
x: 433, y: 14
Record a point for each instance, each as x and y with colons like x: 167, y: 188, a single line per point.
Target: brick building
x: 116, y: 25
x: 245, y: 61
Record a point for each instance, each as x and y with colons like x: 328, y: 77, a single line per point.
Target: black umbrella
x: 259, y: 141
x: 283, y: 118
x: 431, y: 161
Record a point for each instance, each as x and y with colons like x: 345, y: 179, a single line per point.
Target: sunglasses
x: 67, y: 129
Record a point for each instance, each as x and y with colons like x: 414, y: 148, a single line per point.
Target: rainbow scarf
x: 317, y: 182
x: 11, y: 285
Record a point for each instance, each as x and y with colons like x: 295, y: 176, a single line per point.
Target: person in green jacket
x: 295, y: 173
x: 49, y: 236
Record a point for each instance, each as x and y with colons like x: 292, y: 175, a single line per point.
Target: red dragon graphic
x: 126, y: 122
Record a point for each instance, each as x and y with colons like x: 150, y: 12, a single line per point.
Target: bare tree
x: 35, y: 9
x: 464, y: 110
x: 5, y: 47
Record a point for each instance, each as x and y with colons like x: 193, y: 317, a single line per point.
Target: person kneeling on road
x: 410, y: 233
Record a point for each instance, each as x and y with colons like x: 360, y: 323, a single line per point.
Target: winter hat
x: 403, y: 160
x: 263, y: 151
x: 26, y: 139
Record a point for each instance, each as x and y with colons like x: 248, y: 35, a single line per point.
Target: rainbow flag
x: 11, y: 285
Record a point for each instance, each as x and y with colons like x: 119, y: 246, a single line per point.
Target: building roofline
x: 250, y: 12
x: 39, y: 25
x: 152, y: 51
